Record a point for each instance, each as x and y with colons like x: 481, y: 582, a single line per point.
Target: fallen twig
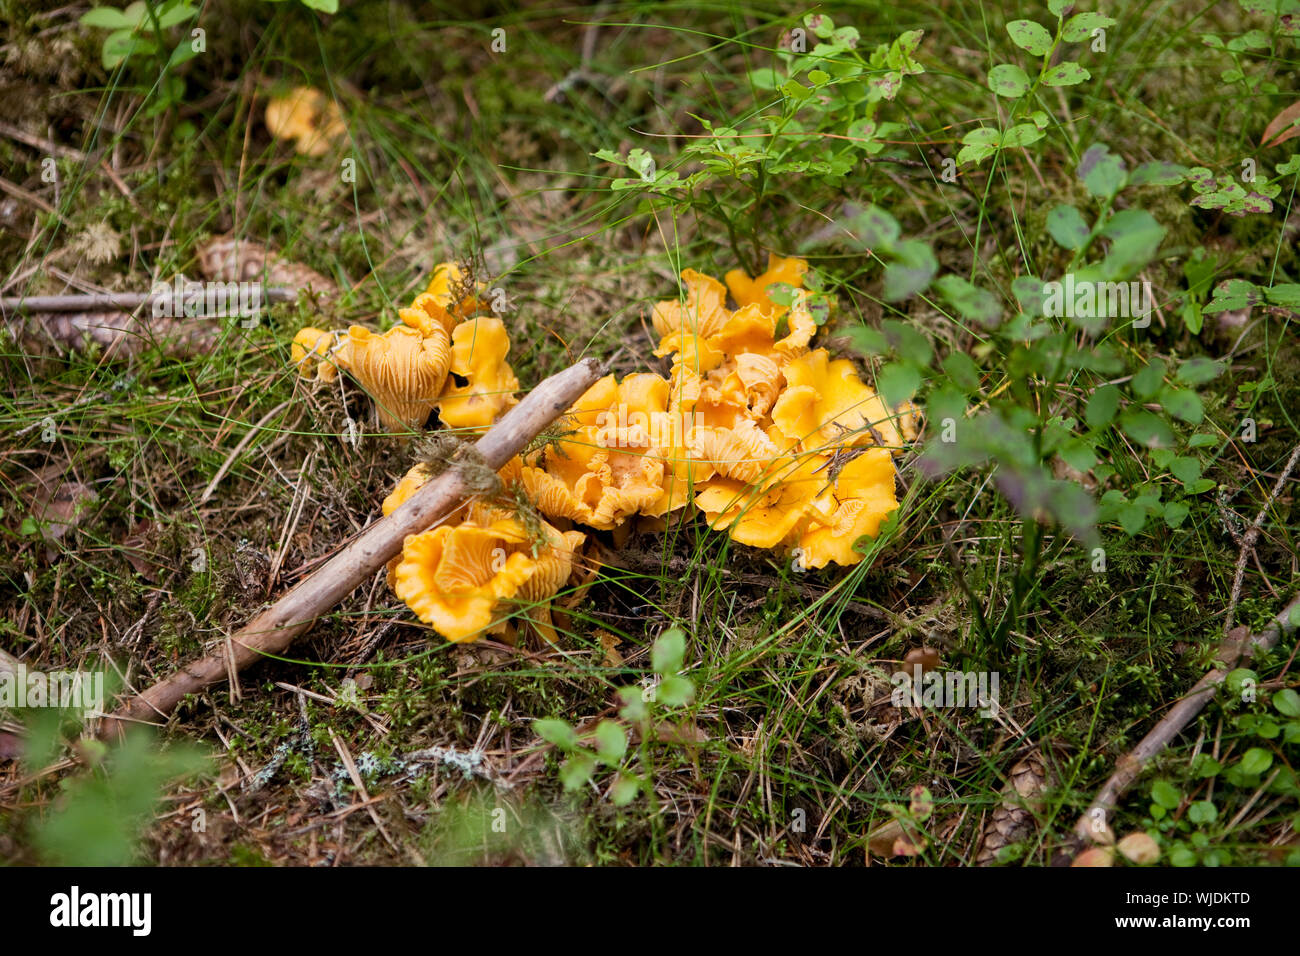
x: 1095, y: 820
x: 272, y: 631
x: 1252, y: 535
x: 114, y: 301
x: 122, y: 323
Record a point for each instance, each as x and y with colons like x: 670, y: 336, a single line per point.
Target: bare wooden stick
x: 272, y: 631
x: 112, y: 301
x: 1252, y: 535
x: 1095, y: 819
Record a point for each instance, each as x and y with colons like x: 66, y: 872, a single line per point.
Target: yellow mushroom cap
x: 549, y: 494
x: 750, y: 329
x: 763, y: 515
x: 744, y: 452
x: 478, y: 354
x: 410, y: 483
x: 443, y: 286
x: 600, y: 487
x: 458, y: 578
x: 690, y: 350
x: 310, y: 354
x: 704, y: 312
x: 860, y: 498
x: 801, y: 328
x: 454, y: 578
x: 607, y: 467
x: 427, y: 315
x: 446, y: 275
x: 593, y: 405
x: 555, y: 565
x: 747, y: 291
x: 402, y: 369
x: 307, y: 117
x: 825, y: 404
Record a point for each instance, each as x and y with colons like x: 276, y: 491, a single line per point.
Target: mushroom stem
x: 272, y: 631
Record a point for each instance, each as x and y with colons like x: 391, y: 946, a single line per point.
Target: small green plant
x: 1196, y: 819
x: 138, y: 29
x: 818, y: 125
x: 1282, y: 19
x: 98, y: 818
x: 1055, y: 412
x: 324, y: 6
x: 1010, y: 81
x: 642, y: 710
x: 138, y: 35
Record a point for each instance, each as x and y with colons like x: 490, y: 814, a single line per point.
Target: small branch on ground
x: 272, y: 631
x: 115, y: 301
x: 1252, y: 535
x: 1095, y: 819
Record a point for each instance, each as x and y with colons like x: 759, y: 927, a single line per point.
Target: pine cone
x: 1013, y: 819
x: 228, y: 259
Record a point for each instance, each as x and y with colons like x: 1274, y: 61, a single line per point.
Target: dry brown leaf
x: 134, y: 550
x: 609, y: 644
x: 684, y: 733
x: 11, y: 745
x: 1282, y: 127
x: 61, y: 506
x: 893, y: 839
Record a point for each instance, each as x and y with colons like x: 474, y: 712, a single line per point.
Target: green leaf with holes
x: 1065, y: 74
x: 1102, y: 172
x: 913, y: 267
x: 1183, y: 404
x: 970, y: 301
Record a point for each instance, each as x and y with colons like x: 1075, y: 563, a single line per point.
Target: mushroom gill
x: 459, y: 579
x: 403, y: 370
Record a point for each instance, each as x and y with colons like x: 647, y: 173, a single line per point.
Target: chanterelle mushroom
x: 852, y: 504
x: 607, y: 468
x: 459, y: 578
x: 310, y: 354
x: 782, y: 447
x: 402, y: 369
x: 305, y: 116
x: 826, y: 404
x: 478, y: 355
x: 747, y: 291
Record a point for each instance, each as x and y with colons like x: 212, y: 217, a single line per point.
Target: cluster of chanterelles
x: 776, y: 443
